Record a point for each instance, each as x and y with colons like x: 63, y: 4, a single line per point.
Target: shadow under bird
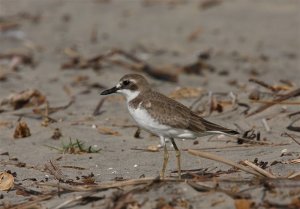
x: 163, y: 116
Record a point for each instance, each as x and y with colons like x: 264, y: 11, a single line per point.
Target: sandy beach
x: 235, y: 63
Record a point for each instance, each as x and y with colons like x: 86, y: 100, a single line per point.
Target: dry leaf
x: 108, y: 131
x: 30, y: 97
x: 295, y: 161
x: 242, y: 204
x: 22, y: 130
x: 152, y: 148
x: 282, y: 87
x: 6, y: 181
x: 186, y: 92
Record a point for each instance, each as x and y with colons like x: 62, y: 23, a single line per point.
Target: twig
x: 259, y: 170
x: 98, y: 107
x: 108, y: 185
x: 272, y: 88
x: 27, y: 204
x: 294, y: 175
x: 199, y: 186
x: 293, y: 114
x: 272, y: 102
x: 289, y: 135
x: 284, y: 97
x: 246, y: 106
x: 293, y: 128
x: 52, y: 110
x: 222, y: 160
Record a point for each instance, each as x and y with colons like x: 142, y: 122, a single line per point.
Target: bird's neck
x: 130, y: 95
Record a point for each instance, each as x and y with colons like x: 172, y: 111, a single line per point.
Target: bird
x: 163, y: 116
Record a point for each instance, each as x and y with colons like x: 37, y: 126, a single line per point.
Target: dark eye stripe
x: 126, y: 82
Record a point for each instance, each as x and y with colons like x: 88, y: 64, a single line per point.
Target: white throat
x: 130, y: 95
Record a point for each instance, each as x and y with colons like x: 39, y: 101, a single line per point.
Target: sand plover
x: 163, y: 116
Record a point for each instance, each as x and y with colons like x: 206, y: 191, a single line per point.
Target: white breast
x: 144, y: 119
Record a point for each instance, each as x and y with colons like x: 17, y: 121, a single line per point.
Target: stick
x: 272, y: 102
x: 289, y: 135
x: 200, y: 187
x: 259, y: 170
x: 108, y: 185
x: 263, y: 84
x: 294, y: 175
x: 98, y: 107
x: 27, y: 204
x: 284, y: 97
x: 222, y: 160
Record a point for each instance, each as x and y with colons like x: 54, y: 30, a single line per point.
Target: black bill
x: 110, y: 91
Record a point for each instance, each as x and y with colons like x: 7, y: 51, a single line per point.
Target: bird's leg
x: 166, y: 158
x: 177, y: 156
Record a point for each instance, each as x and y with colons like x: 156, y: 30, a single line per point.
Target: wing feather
x: 177, y: 115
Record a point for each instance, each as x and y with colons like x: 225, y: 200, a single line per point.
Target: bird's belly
x: 145, y: 121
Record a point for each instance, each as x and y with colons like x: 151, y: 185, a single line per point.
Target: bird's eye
x: 126, y: 82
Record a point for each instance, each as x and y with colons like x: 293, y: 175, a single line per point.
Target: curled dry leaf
x: 30, y: 97
x: 186, y: 92
x: 6, y: 181
x: 22, y: 130
x: 108, y: 131
x: 152, y: 148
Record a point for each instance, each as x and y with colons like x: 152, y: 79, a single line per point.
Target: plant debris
x: 56, y: 134
x: 291, y: 94
x: 54, y: 169
x: 6, y: 181
x: 98, y: 107
x: 76, y: 147
x: 22, y: 130
x: 26, y: 98
x: 108, y: 131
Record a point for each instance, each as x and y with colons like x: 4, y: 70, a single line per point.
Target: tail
x: 200, y: 125
x: 212, y: 127
x: 231, y: 132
